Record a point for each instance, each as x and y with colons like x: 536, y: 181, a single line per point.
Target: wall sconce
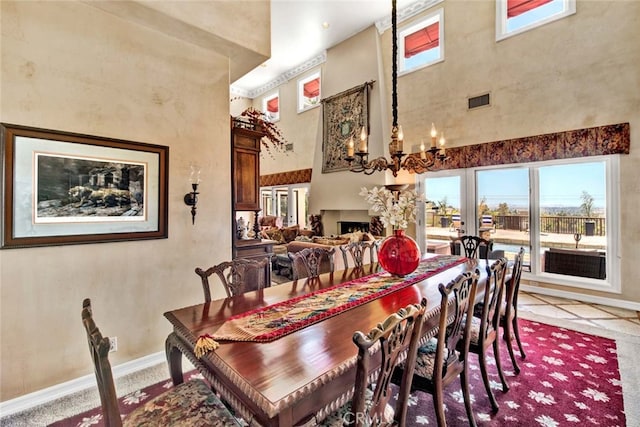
x: 191, y: 198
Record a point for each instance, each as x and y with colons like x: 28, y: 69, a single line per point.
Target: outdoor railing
x: 548, y: 224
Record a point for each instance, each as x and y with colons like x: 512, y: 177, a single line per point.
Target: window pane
x: 517, y: 16
x: 573, y: 203
x: 267, y: 207
x: 282, y: 205
x: 444, y: 221
x: 301, y: 206
x: 422, y: 43
x: 503, y: 211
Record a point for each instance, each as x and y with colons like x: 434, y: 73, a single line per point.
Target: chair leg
x: 508, y: 337
x: 516, y: 332
x: 438, y: 405
x: 485, y: 379
x: 464, y: 382
x: 496, y: 355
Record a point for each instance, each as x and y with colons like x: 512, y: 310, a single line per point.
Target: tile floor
x: 613, y: 318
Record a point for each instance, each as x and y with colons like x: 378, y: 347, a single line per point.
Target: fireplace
x: 351, y: 226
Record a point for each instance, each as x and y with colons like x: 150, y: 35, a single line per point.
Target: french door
x: 290, y: 202
x: 563, y: 213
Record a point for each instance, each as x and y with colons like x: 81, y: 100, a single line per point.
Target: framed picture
x: 343, y: 117
x: 64, y: 188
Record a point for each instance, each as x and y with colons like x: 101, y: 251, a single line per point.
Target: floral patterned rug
x: 569, y: 378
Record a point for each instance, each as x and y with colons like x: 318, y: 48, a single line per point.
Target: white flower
x: 396, y: 210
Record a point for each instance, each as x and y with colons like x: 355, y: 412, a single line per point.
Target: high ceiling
x: 298, y: 34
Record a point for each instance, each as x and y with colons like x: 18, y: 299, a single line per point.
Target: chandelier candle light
x: 399, y: 254
x: 414, y: 162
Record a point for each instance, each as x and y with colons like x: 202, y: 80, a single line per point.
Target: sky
x: 560, y: 186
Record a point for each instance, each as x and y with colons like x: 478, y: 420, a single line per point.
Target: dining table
x: 307, y: 373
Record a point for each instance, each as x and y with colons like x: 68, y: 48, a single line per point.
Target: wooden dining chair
x: 237, y: 276
x: 441, y: 360
x: 509, y: 311
x: 473, y: 246
x: 389, y: 341
x: 356, y: 251
x: 188, y: 404
x: 484, y: 327
x: 311, y: 262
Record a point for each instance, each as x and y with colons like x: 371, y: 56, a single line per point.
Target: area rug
x: 569, y: 378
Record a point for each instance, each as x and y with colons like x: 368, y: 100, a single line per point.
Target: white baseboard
x: 49, y: 394
x: 612, y: 302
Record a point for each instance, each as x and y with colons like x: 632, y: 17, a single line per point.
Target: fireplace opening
x: 352, y: 226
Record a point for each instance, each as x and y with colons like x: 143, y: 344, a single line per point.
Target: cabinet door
x: 246, y: 180
x: 246, y: 169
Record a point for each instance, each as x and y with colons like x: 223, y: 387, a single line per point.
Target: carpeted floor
x: 568, y: 378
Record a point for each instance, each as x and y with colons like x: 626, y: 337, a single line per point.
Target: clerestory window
x: 517, y: 16
x: 422, y: 43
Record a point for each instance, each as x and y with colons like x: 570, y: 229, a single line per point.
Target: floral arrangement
x: 397, y: 208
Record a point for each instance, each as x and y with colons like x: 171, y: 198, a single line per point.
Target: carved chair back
x: 190, y: 403
x: 444, y: 358
x: 237, y: 276
x: 357, y: 251
x: 509, y: 314
x: 485, y: 323
x: 474, y: 246
x: 99, y: 347
x: 311, y: 262
x: 398, y: 334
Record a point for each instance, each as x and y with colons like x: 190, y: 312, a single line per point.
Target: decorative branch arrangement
x: 273, y: 139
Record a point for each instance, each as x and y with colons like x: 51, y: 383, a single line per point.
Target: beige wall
x: 579, y: 72
x: 572, y: 74
x: 73, y: 67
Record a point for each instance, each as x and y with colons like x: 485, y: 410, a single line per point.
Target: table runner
x: 274, y: 321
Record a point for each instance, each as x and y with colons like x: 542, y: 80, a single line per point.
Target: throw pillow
x: 275, y: 234
x: 290, y: 233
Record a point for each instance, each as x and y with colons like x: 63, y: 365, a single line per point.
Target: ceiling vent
x: 288, y: 147
x: 479, y: 101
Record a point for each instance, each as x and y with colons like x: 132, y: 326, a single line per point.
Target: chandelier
x: 420, y: 162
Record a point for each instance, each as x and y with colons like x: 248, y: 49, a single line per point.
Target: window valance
x: 299, y: 176
x: 595, y: 141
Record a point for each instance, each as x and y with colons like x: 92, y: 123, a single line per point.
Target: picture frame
x: 343, y: 116
x: 62, y: 188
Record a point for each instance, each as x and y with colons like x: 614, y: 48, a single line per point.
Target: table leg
x: 174, y: 359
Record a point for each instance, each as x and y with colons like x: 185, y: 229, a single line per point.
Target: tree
x: 483, y: 208
x: 442, y: 206
x: 587, y: 203
x: 503, y: 209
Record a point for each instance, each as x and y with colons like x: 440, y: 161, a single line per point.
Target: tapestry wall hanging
x: 343, y: 115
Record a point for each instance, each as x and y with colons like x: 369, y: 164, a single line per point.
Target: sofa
x: 282, y: 265
x: 576, y: 262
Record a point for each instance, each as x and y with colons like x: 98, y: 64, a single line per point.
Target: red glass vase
x: 399, y: 254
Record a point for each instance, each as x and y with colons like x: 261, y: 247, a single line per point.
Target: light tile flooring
x: 612, y: 318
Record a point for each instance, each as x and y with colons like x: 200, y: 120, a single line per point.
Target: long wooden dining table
x: 309, y: 372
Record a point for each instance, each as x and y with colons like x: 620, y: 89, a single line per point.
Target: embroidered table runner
x: 274, y: 321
